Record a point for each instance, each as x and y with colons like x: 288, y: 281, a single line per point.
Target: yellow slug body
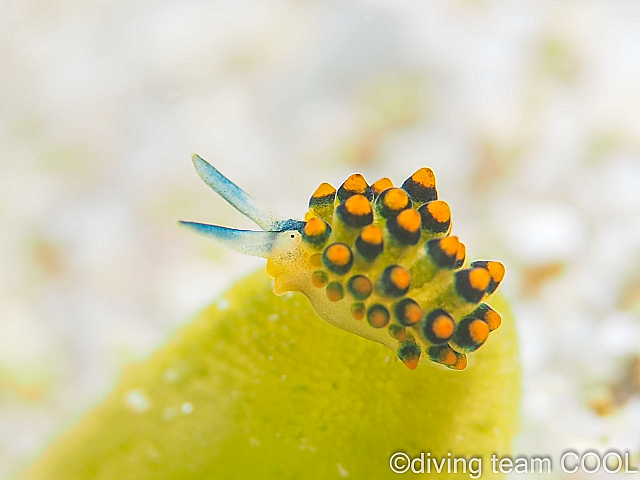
x: 375, y: 260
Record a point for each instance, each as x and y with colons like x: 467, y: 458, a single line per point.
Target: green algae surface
x: 259, y: 387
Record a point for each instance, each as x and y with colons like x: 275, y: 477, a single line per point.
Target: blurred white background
x: 528, y: 112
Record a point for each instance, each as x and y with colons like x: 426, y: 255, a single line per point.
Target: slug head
x: 375, y: 260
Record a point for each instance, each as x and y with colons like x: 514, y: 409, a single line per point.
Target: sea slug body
x: 375, y: 260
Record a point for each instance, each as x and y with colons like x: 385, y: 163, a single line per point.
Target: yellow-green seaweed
x: 259, y: 387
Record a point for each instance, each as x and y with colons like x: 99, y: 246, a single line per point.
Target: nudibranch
x: 375, y: 260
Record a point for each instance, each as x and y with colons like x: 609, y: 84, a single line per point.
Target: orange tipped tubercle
x: 471, y: 284
x: 395, y: 281
x: 378, y: 316
x: 445, y: 355
x: 443, y: 252
x: 421, y: 186
x: 409, y: 353
x: 369, y: 243
x: 316, y: 232
x: 360, y: 287
x: 355, y: 212
x: 470, y: 334
x: 381, y: 185
x: 408, y: 312
x: 338, y: 258
x: 354, y: 185
x: 496, y: 271
x: 438, y: 327
x: 436, y: 217
x: 404, y: 228
x: 392, y: 201
x: 335, y: 291
x: 489, y: 315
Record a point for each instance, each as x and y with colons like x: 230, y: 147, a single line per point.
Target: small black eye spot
x: 293, y: 236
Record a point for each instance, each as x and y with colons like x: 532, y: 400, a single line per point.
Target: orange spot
x: 339, y: 254
x: 496, y: 270
x: 355, y: 183
x: 361, y: 285
x: 315, y: 227
x: 409, y: 219
x: 478, y: 331
x: 358, y: 205
x: 448, y: 357
x: 357, y: 311
x: 381, y: 185
x: 399, y: 333
x: 493, y: 319
x: 479, y: 278
x: 372, y: 235
x: 462, y: 252
x: 396, y: 199
x: 424, y: 177
x: 400, y: 278
x: 324, y: 190
x: 411, y: 362
x: 449, y: 245
x: 335, y: 292
x: 412, y: 313
x: 443, y: 327
x: 439, y: 210
x: 315, y: 260
x: 460, y: 363
x: 378, y: 318
x: 319, y: 279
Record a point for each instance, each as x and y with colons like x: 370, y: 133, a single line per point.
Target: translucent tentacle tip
x: 375, y: 260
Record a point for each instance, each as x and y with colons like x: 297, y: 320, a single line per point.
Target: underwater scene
x: 304, y: 239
